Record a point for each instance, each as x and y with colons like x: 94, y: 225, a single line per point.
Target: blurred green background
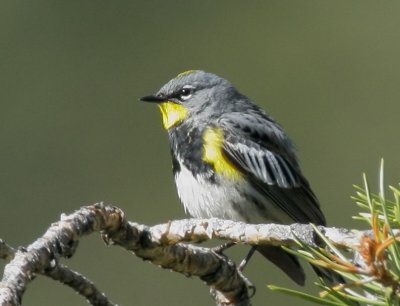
x: 73, y: 133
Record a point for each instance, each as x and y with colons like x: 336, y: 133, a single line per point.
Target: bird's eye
x: 185, y: 93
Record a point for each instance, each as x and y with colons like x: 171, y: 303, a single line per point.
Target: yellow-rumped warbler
x: 231, y: 160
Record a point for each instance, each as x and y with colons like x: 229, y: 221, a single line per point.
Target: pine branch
x: 164, y: 245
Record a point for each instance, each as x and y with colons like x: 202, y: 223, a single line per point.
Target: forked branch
x: 162, y: 244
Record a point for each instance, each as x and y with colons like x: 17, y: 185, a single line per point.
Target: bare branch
x: 198, y: 230
x: 227, y: 284
x: 60, y: 240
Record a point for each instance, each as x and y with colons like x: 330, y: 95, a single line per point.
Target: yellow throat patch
x: 213, y: 141
x: 172, y: 114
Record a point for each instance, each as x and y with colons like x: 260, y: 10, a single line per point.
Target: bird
x: 232, y: 160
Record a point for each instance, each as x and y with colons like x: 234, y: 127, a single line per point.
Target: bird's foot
x: 250, y: 286
x: 220, y: 248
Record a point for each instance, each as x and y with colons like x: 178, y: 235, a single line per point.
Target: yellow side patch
x: 172, y: 113
x: 212, y: 154
x: 184, y: 73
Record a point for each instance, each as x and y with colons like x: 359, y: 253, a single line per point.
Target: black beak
x: 153, y: 99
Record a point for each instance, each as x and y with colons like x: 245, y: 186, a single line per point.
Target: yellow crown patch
x: 185, y: 73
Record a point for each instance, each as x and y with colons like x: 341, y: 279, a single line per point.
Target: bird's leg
x: 219, y: 249
x: 246, y: 259
x: 240, y: 269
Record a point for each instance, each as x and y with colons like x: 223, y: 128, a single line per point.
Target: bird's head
x: 193, y: 93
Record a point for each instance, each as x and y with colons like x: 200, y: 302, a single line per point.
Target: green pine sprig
x: 377, y: 281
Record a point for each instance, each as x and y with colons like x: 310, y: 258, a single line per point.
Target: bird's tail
x: 288, y: 263
x: 330, y: 277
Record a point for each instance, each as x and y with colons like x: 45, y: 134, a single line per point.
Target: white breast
x: 204, y: 199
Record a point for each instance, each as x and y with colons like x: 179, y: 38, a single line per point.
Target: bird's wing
x: 262, y: 151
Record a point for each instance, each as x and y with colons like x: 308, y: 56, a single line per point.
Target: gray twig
x: 41, y: 257
x: 80, y: 284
